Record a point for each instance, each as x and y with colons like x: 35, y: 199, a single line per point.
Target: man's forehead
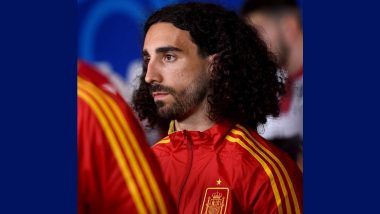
x: 166, y: 34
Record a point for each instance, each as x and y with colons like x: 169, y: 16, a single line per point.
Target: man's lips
x: 159, y: 94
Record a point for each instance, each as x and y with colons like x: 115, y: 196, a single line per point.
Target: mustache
x: 158, y: 87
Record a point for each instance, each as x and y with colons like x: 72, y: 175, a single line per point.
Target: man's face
x: 177, y: 74
x: 270, y: 30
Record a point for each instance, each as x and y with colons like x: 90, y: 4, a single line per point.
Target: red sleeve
x: 117, y: 172
x: 272, y: 182
x: 283, y: 172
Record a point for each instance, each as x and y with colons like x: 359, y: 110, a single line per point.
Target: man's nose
x: 153, y: 72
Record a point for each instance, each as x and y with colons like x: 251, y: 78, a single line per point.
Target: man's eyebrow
x: 167, y: 49
x: 162, y: 50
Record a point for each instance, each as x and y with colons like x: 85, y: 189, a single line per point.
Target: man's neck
x: 197, y: 121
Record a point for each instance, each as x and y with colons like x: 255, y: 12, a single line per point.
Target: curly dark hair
x: 245, y: 83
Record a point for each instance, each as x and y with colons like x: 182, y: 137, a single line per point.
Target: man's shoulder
x: 91, y: 78
x: 247, y: 144
x: 161, y: 143
x: 255, y: 156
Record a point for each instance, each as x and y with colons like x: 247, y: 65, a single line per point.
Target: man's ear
x: 211, y: 61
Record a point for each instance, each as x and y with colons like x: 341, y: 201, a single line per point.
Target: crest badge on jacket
x: 215, y: 200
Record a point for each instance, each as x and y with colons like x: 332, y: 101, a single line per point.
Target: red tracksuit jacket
x: 228, y: 169
x: 117, y: 171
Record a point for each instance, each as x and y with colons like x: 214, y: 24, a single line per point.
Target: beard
x: 185, y: 101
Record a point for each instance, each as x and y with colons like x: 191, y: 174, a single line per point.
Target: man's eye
x: 146, y: 60
x: 169, y: 58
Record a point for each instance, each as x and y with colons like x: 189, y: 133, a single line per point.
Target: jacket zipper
x: 188, y: 165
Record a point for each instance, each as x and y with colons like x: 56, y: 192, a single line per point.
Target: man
x: 279, y: 24
x: 208, y: 72
x: 117, y: 172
